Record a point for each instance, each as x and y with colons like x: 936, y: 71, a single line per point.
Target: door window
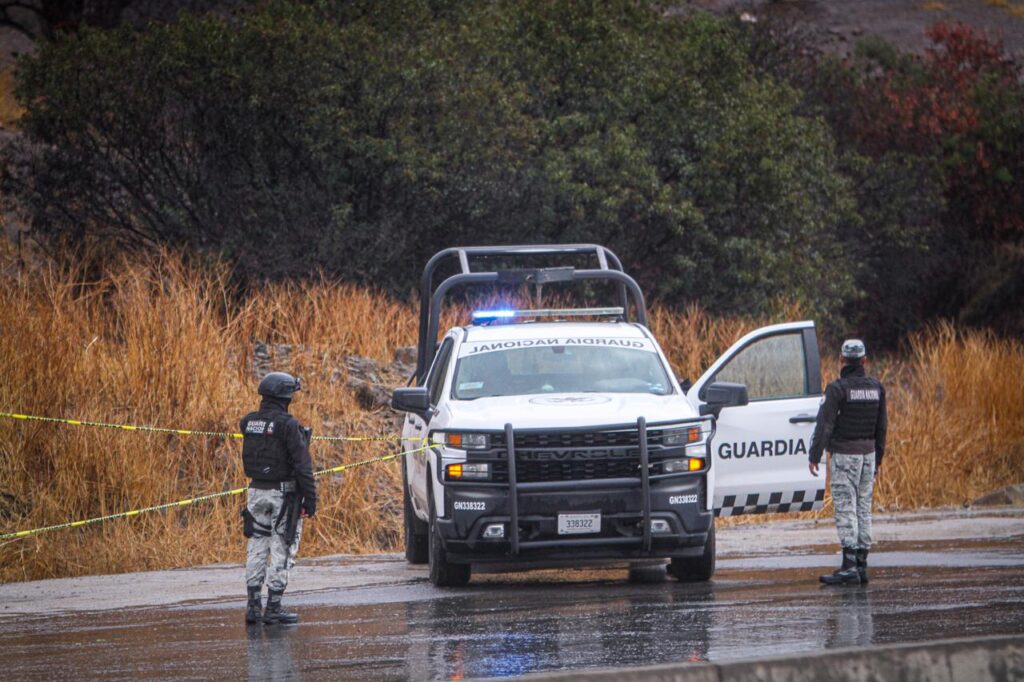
x: 435, y: 381
x: 772, y: 368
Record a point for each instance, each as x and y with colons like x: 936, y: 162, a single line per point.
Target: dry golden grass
x: 1014, y: 9
x: 163, y: 343
x: 956, y: 419
x: 159, y: 343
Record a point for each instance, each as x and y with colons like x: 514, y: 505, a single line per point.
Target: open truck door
x: 759, y: 453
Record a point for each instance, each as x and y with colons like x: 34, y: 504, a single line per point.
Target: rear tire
x: 693, y: 569
x: 417, y: 538
x: 443, y: 573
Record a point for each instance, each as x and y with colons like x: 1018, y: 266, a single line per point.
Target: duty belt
x: 283, y: 486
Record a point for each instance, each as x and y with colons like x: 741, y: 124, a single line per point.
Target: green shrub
x: 935, y: 144
x: 361, y: 138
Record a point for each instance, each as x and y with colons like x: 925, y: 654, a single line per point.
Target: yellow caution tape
x: 109, y: 517
x: 202, y: 498
x: 185, y: 432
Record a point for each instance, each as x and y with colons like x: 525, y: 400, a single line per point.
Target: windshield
x: 560, y: 369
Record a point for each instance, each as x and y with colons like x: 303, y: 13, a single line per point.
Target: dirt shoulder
x: 838, y: 24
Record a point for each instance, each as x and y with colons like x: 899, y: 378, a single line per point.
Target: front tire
x: 693, y: 569
x: 646, y: 574
x: 417, y: 538
x: 443, y: 573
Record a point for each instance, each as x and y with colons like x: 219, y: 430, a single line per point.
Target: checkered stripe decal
x: 800, y: 500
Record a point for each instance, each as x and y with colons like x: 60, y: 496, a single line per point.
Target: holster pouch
x: 293, y: 512
x: 248, y: 523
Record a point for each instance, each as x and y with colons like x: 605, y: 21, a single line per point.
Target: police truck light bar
x: 484, y: 316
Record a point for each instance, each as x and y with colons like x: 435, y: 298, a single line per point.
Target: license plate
x: 573, y: 524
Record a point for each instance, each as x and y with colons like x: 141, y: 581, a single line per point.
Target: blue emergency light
x: 485, y: 316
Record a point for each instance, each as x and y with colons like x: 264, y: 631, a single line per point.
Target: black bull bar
x: 643, y: 482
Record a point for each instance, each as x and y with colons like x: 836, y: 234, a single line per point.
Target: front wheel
x: 692, y: 569
x: 443, y: 573
x: 647, y: 573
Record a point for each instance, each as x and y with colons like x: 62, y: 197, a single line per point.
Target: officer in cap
x: 275, y: 452
x: 851, y: 425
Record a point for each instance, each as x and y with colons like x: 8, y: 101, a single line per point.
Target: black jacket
x: 280, y: 454
x: 852, y: 419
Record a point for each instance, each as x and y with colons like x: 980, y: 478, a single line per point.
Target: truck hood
x: 553, y: 410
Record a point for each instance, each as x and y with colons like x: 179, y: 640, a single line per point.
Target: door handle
x: 803, y: 419
x: 417, y: 427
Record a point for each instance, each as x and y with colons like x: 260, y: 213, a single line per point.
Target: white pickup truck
x: 566, y: 442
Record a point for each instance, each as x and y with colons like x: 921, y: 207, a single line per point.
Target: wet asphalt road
x: 760, y: 603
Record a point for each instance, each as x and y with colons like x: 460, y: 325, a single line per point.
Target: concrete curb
x: 979, y: 659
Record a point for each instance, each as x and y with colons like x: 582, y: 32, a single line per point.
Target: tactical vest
x: 858, y: 413
x: 264, y: 450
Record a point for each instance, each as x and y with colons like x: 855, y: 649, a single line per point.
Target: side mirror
x: 723, y: 394
x: 415, y: 399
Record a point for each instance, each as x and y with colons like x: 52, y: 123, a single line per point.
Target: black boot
x: 847, y: 573
x: 862, y: 565
x: 274, y: 612
x: 254, y: 610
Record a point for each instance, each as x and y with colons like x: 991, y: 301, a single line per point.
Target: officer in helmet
x: 851, y: 425
x: 275, y: 452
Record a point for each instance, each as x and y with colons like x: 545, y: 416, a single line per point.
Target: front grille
x: 570, y: 439
x: 579, y: 439
x: 570, y: 455
x: 533, y: 472
x: 573, y: 470
x: 543, y: 456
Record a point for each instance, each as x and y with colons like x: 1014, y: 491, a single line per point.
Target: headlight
x: 463, y: 471
x: 466, y: 441
x: 676, y: 466
x: 690, y: 434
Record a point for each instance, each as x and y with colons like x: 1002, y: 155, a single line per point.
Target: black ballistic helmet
x: 279, y: 385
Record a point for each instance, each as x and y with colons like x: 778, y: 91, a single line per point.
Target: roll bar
x: 609, y: 269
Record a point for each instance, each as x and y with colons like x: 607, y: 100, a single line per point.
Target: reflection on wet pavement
x: 506, y: 627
